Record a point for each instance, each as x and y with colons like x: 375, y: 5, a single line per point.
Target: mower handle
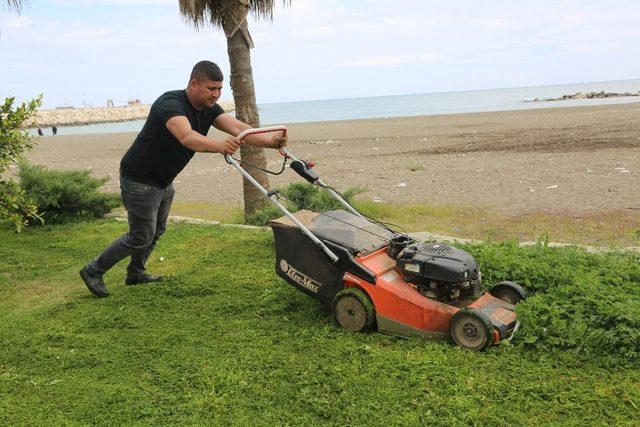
x: 255, y: 131
x: 272, y: 196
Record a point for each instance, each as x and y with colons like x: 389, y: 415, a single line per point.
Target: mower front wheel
x: 353, y: 310
x: 471, y: 329
x: 509, y: 292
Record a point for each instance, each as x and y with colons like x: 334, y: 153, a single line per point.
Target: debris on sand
x: 585, y: 95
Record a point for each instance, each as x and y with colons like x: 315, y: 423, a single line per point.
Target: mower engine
x: 439, y: 271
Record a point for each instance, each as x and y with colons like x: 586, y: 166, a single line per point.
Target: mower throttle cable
x: 280, y: 196
x: 384, y: 225
x: 284, y: 165
x: 354, y: 226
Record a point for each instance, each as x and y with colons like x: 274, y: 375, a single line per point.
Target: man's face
x: 207, y: 92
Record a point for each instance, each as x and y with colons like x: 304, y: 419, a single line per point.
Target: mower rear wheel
x: 509, y: 292
x: 471, y: 329
x: 353, y: 310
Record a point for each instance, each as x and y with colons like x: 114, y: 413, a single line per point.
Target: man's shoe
x: 142, y: 279
x: 94, y: 283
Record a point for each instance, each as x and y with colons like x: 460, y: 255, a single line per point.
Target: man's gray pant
x: 147, y: 211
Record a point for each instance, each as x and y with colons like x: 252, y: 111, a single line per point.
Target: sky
x: 83, y: 52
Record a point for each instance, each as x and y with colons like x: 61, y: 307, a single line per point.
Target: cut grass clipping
x: 226, y: 341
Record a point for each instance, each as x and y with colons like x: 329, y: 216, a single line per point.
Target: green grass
x: 225, y: 341
x: 223, y: 212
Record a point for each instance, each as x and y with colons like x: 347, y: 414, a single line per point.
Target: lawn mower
x: 374, y: 277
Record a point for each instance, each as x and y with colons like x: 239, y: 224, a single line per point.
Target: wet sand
x: 559, y: 160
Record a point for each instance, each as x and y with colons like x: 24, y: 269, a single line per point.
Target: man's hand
x: 229, y: 145
x: 278, y: 141
x: 232, y: 126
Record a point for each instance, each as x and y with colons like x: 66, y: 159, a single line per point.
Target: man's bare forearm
x: 201, y: 144
x: 260, y: 140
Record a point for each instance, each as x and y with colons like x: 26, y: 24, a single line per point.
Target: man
x: 175, y: 129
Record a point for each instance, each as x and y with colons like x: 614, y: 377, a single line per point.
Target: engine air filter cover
x: 437, y: 261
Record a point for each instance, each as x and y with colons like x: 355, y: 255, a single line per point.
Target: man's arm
x: 229, y: 124
x: 180, y: 127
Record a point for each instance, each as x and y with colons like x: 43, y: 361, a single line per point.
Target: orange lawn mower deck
x: 374, y: 277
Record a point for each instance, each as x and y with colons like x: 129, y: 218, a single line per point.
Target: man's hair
x: 206, y: 70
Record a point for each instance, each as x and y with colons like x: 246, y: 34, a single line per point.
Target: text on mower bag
x: 301, y: 279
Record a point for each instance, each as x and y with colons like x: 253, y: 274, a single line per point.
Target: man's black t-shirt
x: 156, y: 156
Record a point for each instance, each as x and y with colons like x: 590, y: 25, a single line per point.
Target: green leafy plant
x: 64, y: 196
x: 14, y: 205
x: 578, y: 302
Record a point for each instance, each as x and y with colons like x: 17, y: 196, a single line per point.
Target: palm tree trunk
x: 244, y: 97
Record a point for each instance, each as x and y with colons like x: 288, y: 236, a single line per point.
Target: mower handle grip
x: 255, y: 131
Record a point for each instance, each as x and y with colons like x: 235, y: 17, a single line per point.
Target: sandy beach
x: 558, y: 160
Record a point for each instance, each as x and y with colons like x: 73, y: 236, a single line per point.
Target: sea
x: 518, y: 98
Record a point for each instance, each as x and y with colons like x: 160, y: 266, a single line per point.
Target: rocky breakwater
x: 586, y: 95
x: 85, y: 116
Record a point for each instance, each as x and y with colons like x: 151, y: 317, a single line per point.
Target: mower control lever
x: 305, y: 170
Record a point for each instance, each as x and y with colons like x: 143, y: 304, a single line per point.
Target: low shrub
x: 261, y: 217
x: 314, y: 198
x: 299, y: 196
x: 64, y: 196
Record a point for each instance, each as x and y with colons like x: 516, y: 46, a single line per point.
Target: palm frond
x: 15, y: 4
x: 201, y: 12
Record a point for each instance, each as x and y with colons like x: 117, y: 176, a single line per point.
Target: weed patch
x: 579, y: 302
